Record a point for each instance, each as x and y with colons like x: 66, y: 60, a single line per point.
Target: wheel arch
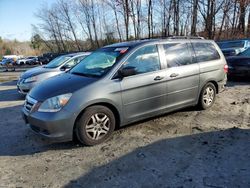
x: 106, y: 104
x: 213, y: 82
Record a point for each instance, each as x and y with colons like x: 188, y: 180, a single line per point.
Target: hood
x: 35, y: 71
x: 61, y: 84
x: 238, y: 60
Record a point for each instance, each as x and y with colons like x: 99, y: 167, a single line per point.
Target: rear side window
x: 205, y: 52
x: 145, y: 59
x: 177, y: 54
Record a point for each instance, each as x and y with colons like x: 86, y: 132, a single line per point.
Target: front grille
x: 29, y: 103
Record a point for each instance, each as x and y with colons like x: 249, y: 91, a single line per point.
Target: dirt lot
x: 189, y: 148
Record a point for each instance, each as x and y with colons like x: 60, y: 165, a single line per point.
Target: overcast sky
x: 16, y: 17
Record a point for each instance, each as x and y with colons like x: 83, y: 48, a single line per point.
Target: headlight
x: 31, y: 79
x: 55, y: 104
x: 37, y: 78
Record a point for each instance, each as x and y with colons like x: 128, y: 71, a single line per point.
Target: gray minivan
x: 123, y: 83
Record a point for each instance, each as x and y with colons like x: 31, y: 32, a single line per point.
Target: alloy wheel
x: 208, y: 96
x: 98, y: 126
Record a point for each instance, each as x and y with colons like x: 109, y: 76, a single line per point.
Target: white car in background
x: 30, y: 60
x: 15, y: 57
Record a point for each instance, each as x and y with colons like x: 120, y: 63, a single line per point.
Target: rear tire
x: 95, y: 125
x: 207, y: 96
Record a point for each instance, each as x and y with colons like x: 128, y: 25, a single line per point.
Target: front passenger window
x: 144, y: 60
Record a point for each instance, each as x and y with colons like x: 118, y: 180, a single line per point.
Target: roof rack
x: 185, y: 37
x: 174, y: 37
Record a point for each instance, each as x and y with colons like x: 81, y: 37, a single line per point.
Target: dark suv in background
x: 239, y: 66
x: 123, y: 83
x: 47, y: 57
x: 234, y: 47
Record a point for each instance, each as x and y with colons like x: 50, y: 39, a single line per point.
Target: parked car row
x: 15, y: 60
x: 9, y: 62
x: 120, y: 84
x: 58, y: 65
x: 47, y: 57
x: 30, y: 60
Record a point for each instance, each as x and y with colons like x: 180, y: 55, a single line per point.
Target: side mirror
x: 127, y: 71
x: 64, y: 68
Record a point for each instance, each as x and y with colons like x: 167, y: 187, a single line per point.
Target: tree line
x: 88, y: 24
x: 10, y: 47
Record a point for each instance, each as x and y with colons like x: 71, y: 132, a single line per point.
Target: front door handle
x: 174, y: 75
x: 158, y: 78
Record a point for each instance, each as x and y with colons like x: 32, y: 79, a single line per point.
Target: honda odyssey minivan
x: 123, y: 83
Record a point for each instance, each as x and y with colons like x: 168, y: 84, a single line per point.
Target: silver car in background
x: 32, y: 77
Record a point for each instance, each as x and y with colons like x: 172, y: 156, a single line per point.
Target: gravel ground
x: 189, y: 148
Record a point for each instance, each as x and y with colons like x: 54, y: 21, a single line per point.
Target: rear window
x: 205, y: 52
x: 231, y: 44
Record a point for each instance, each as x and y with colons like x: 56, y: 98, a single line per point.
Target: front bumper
x: 56, y: 126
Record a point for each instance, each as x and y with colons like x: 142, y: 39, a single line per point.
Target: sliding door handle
x: 174, y: 75
x: 158, y: 78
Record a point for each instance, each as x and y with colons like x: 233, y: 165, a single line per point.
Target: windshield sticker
x: 122, y: 50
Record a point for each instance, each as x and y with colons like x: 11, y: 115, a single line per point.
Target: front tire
x: 207, y: 96
x: 95, y: 125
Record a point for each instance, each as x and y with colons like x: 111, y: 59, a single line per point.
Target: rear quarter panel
x: 213, y: 70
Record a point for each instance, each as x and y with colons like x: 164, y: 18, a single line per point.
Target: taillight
x: 226, y: 68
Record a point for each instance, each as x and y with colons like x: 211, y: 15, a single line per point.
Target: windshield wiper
x: 83, y: 74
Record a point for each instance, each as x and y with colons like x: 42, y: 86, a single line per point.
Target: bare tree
x: 86, y: 19
x: 248, y: 25
x: 226, y: 7
x: 150, y: 18
x: 194, y: 16
x: 66, y: 17
x: 93, y: 19
x: 176, y: 6
x: 65, y: 25
x: 125, y: 11
x: 114, y: 8
x: 242, y: 9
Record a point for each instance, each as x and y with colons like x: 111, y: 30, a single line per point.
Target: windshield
x: 57, y: 62
x: 98, y: 63
x: 245, y: 53
x: 231, y: 44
